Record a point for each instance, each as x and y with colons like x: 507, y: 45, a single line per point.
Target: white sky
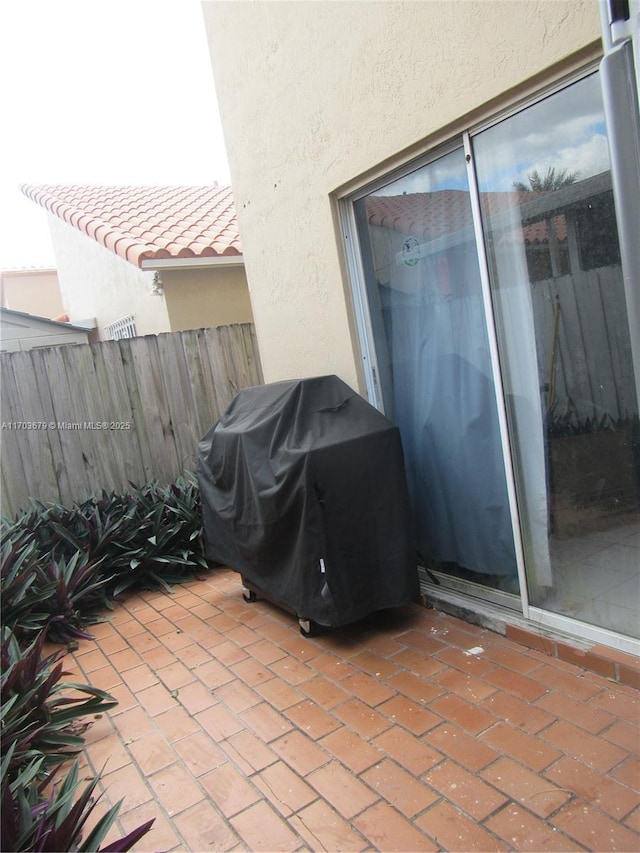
x: 110, y: 92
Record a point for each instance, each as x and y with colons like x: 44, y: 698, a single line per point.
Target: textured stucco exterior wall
x: 96, y: 283
x: 33, y: 291
x: 314, y: 94
x: 199, y: 298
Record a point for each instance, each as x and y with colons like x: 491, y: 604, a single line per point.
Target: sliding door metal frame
x: 360, y: 302
x: 570, y: 626
x: 620, y: 98
x: 365, y: 327
x: 497, y: 373
x: 404, y: 169
x: 529, y: 100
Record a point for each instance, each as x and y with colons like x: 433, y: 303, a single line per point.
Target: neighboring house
x: 35, y: 291
x: 144, y: 260
x: 21, y: 331
x: 439, y: 202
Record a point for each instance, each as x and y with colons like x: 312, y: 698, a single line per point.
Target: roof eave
x: 191, y: 263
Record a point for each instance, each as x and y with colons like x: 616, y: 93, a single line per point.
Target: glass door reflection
x: 428, y: 321
x: 564, y: 338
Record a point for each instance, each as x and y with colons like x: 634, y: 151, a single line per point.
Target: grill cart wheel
x: 308, y: 628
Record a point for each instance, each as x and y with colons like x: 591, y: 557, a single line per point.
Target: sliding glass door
x: 424, y: 298
x: 523, y: 213
x: 567, y: 369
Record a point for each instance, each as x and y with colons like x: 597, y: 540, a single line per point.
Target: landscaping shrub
x: 35, y: 821
x: 37, y: 712
x: 61, y: 566
x: 60, y: 569
x: 41, y: 724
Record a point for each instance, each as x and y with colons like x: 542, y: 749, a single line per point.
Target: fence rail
x: 78, y: 419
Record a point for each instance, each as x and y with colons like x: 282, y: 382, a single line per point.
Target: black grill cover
x: 304, y: 493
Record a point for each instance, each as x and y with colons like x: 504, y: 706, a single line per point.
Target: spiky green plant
x: 166, y: 549
x: 42, y: 719
x: 45, y: 592
x: 59, y: 568
x: 25, y: 589
x: 50, y: 818
x: 78, y: 595
x: 62, y: 566
x: 39, y: 713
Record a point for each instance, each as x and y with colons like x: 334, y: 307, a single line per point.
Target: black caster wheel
x: 249, y: 595
x: 307, y: 627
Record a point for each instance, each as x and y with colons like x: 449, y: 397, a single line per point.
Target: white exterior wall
x: 95, y: 282
x: 315, y: 94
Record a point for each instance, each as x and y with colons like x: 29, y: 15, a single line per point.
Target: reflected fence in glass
x: 564, y: 339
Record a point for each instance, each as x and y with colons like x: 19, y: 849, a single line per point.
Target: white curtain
x: 444, y: 403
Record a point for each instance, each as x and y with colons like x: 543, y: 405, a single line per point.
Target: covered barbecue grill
x: 304, y: 494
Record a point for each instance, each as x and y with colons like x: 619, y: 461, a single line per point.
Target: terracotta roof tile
x: 436, y: 214
x: 203, y: 251
x: 178, y: 251
x: 141, y: 223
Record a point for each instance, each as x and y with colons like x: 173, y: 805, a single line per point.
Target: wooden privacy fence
x: 592, y: 368
x: 78, y: 419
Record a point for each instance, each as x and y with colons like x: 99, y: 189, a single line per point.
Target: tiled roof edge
x: 118, y: 241
x: 88, y: 224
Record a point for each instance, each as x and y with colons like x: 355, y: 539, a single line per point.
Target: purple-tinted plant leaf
x: 126, y: 843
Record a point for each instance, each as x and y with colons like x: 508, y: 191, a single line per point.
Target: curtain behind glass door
x: 427, y: 317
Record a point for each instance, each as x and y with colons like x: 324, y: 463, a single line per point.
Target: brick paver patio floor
x: 410, y: 731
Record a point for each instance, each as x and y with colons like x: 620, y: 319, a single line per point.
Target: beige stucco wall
x: 32, y: 291
x: 314, y: 94
x: 97, y: 283
x: 202, y: 297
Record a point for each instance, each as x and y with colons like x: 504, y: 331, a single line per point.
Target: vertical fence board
x: 111, y: 377
x: 224, y: 388
x: 62, y: 396
x: 154, y: 406
x: 594, y: 370
x: 15, y: 488
x: 97, y: 452
x: 252, y: 354
x: 572, y: 343
x: 35, y: 452
x: 43, y: 384
x: 170, y: 388
x: 616, y: 321
x: 10, y: 506
x: 175, y: 376
x: 208, y: 376
x: 597, y: 345
x: 237, y: 358
x: 200, y: 383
